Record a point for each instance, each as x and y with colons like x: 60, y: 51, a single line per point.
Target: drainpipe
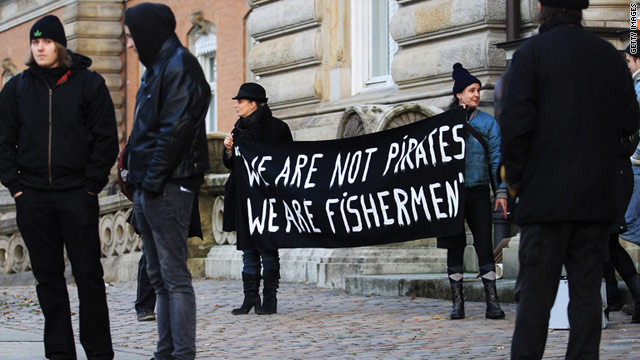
x: 125, y: 107
x: 513, y: 19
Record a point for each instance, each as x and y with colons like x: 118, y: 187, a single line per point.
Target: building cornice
x: 29, y: 12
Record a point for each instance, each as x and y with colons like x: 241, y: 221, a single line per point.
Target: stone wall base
x: 121, y: 268
x: 328, y: 267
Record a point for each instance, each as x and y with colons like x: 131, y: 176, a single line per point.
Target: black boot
x: 270, y: 303
x: 612, y: 289
x: 491, y: 297
x: 457, y: 311
x: 251, y: 284
x: 634, y: 289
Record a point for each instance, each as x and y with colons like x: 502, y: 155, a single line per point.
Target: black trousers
x: 146, y: 296
x: 544, y: 248
x: 477, y: 213
x: 48, y: 221
x: 619, y: 260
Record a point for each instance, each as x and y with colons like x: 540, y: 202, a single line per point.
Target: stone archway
x: 404, y: 114
x: 363, y: 119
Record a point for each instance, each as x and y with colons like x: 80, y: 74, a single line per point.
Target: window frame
x: 361, y: 52
x: 205, y: 53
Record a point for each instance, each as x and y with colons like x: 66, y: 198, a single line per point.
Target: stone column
x: 94, y: 29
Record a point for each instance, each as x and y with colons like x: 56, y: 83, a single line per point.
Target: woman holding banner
x: 482, y: 155
x: 255, y: 123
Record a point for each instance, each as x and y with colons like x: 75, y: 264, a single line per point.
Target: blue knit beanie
x: 462, y: 78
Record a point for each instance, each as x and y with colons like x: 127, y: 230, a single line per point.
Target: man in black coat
x: 569, y: 102
x: 58, y: 142
x: 168, y: 157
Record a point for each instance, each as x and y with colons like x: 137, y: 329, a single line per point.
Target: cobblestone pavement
x: 314, y: 323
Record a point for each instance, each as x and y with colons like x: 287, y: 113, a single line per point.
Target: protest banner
x: 397, y: 185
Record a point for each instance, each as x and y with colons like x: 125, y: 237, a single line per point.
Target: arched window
x: 205, y: 49
x: 203, y: 42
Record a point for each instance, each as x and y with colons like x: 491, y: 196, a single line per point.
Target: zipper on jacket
x: 50, y: 130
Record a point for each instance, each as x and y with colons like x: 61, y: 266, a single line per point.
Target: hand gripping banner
x: 397, y: 185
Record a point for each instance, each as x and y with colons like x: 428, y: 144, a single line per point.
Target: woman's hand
x: 228, y: 143
x: 503, y: 203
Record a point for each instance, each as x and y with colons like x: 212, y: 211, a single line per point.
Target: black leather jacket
x: 168, y: 140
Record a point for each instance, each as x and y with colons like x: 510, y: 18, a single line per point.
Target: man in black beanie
x: 168, y: 157
x: 562, y: 126
x: 58, y: 142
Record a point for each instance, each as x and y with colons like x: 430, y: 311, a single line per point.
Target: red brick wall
x: 15, y: 42
x: 228, y: 17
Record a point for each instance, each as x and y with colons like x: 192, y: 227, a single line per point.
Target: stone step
x: 436, y: 286
x: 430, y: 285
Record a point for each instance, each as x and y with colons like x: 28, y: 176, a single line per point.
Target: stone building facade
x: 331, y: 68
x: 340, y: 68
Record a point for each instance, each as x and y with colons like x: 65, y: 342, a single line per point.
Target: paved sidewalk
x: 312, y: 323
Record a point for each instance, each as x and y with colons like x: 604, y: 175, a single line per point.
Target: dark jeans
x: 146, y: 296
x: 163, y: 222
x: 477, y: 213
x: 270, y: 262
x: 544, y: 248
x: 48, y: 221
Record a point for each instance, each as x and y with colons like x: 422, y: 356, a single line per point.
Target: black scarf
x: 52, y: 75
x: 251, y: 127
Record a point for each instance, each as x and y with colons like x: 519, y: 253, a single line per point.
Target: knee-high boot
x: 612, y: 288
x: 251, y: 285
x: 270, y: 302
x: 457, y: 297
x: 491, y: 297
x: 634, y: 289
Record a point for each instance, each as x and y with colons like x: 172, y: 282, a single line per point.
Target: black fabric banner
x: 397, y: 185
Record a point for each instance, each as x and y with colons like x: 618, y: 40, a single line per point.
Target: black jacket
x: 569, y: 102
x: 57, y: 138
x: 259, y: 125
x: 168, y: 140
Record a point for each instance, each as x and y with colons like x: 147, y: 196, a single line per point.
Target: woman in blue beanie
x: 482, y: 154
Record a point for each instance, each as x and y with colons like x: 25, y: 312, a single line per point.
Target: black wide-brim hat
x: 251, y: 91
x: 566, y: 4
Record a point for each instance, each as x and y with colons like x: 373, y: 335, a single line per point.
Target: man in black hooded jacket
x: 168, y: 157
x: 58, y: 142
x: 562, y: 123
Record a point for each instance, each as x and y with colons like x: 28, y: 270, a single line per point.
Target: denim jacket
x: 635, y: 159
x: 476, y: 169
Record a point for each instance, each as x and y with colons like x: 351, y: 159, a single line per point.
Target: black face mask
x: 150, y: 26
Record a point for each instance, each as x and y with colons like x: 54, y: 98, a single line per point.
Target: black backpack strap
x: 484, y: 144
x: 20, y: 86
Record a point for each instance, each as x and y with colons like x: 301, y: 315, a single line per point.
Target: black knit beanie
x: 49, y: 27
x: 566, y: 4
x: 462, y: 78
x: 150, y: 26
